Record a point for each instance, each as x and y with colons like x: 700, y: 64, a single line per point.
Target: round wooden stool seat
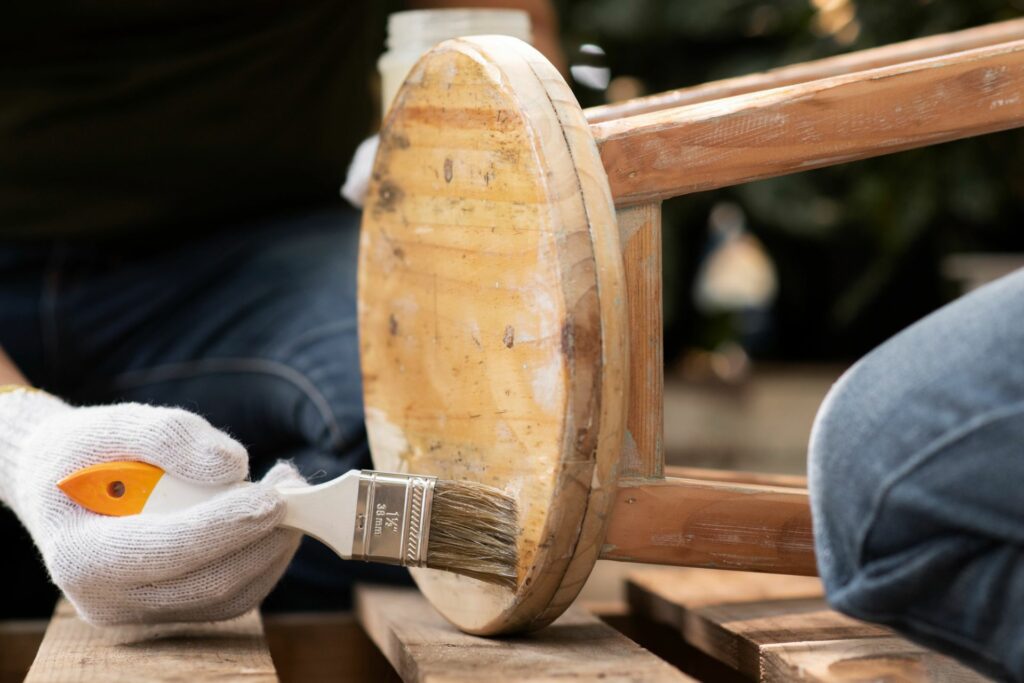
x: 492, y: 314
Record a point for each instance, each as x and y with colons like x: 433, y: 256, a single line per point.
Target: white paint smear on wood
x: 388, y: 444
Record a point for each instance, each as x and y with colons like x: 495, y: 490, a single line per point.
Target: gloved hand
x: 213, y: 561
x: 357, y: 180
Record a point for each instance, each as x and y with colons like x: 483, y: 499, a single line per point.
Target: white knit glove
x: 357, y: 180
x: 213, y: 561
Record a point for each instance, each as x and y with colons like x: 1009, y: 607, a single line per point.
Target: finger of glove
x: 225, y: 589
x: 178, y: 441
x: 146, y: 548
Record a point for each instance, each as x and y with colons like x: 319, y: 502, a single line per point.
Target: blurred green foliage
x: 858, y: 247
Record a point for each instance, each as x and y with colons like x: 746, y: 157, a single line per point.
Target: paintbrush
x: 404, y: 519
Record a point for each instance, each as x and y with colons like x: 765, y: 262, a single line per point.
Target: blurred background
x: 773, y: 287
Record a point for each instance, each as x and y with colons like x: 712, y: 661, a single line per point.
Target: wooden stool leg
x: 640, y: 240
x: 693, y: 522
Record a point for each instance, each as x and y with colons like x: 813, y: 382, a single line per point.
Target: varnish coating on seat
x: 492, y: 314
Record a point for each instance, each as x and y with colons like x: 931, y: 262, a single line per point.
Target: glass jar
x: 410, y: 34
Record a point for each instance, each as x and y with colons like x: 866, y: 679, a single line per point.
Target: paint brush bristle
x: 473, y: 531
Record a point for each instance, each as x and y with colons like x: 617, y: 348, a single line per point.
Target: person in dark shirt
x: 174, y: 253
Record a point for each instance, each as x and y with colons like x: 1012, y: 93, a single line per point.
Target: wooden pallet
x: 296, y: 647
x: 420, y: 645
x: 682, y: 625
x: 778, y: 628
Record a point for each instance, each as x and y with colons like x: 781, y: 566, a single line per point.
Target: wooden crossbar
x: 886, y: 55
x: 704, y: 523
x: 811, y: 125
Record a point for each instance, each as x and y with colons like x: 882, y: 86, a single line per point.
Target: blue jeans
x: 917, y: 482
x: 253, y: 326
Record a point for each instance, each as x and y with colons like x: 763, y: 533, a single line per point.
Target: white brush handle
x: 173, y: 495
x: 326, y: 512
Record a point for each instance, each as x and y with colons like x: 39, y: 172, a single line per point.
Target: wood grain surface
x: 493, y: 304
x: 779, y: 629
x: 492, y: 314
x: 702, y: 523
x: 886, y: 55
x: 424, y: 648
x: 640, y: 237
x: 72, y: 650
x: 810, y: 125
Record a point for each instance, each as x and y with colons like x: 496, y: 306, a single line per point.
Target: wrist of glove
x: 213, y: 561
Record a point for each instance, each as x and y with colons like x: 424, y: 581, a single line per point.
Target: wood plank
x: 812, y: 125
x: 860, y: 659
x: 721, y: 525
x: 640, y: 238
x: 72, y: 650
x: 886, y: 55
x: 778, y: 628
x: 425, y: 648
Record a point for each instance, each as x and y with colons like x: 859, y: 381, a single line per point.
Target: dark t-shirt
x: 153, y: 117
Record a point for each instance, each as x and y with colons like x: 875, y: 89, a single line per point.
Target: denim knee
x: 914, y: 470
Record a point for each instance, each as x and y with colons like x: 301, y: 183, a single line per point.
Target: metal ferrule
x: 393, y: 518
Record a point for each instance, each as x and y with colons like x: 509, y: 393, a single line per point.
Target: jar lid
x: 422, y: 29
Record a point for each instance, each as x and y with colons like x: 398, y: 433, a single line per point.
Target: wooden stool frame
x: 510, y: 102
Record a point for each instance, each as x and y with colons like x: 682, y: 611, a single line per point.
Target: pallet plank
x: 72, y: 650
x: 860, y: 659
x: 779, y: 628
x: 425, y: 648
